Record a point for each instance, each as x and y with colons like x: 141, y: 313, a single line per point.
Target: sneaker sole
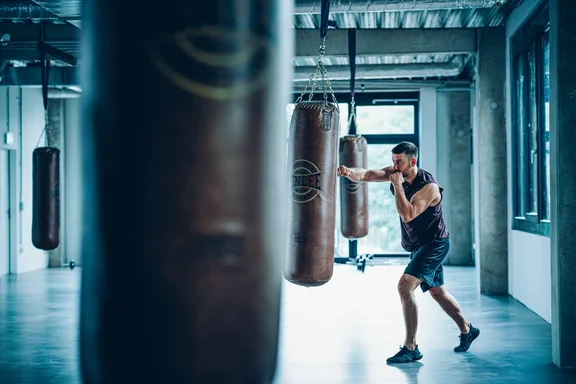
x: 415, y: 358
x: 471, y: 341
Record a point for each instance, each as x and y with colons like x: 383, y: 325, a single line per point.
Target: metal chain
x: 315, y: 74
x: 319, y: 72
x: 312, y: 76
x: 49, y: 138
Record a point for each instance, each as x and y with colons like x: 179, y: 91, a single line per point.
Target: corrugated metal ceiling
x: 446, y: 18
x: 68, y: 10
x: 457, y: 17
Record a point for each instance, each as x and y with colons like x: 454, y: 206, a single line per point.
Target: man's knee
x: 437, y: 292
x: 407, y: 284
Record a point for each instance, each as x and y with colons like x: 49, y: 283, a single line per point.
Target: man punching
x: 418, y: 200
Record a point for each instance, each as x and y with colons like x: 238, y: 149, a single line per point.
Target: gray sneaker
x: 466, y: 339
x: 405, y: 356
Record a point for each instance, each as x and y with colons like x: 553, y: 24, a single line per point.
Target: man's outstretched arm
x: 361, y: 174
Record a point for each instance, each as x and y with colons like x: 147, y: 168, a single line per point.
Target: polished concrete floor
x: 338, y: 333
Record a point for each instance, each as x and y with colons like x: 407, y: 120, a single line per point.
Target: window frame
x: 529, y: 39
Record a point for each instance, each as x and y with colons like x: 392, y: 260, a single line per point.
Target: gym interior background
x: 485, y: 89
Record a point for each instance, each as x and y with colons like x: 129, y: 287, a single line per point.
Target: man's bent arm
x: 409, y: 210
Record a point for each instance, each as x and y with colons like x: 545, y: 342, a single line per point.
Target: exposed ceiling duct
x: 314, y: 6
x: 386, y: 71
x: 387, y: 85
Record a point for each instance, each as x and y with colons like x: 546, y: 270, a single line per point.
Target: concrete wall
x: 56, y: 124
x: 446, y: 152
x: 427, y: 118
x: 22, y: 114
x: 73, y: 186
x: 529, y: 279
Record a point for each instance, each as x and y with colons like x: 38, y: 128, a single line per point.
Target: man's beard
x: 406, y: 173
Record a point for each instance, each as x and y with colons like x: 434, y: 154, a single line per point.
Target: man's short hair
x: 406, y: 147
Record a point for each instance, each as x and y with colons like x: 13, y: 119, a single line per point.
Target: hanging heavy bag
x: 46, y: 198
x: 183, y: 232
x: 353, y: 195
x: 312, y: 161
x: 312, y: 155
x: 353, y: 153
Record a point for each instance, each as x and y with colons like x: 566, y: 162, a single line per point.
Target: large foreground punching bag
x: 312, y: 158
x: 185, y: 180
x: 353, y: 196
x: 46, y: 198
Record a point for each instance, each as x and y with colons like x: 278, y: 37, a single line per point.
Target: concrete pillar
x: 490, y: 177
x: 563, y: 183
x: 460, y: 172
x: 55, y: 124
x: 455, y: 172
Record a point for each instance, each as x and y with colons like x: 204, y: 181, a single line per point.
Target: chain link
x: 49, y: 139
x: 319, y: 73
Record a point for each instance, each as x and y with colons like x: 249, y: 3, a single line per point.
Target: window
x: 385, y: 119
x: 531, y: 126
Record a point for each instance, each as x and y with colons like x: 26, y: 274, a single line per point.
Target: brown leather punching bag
x: 46, y: 198
x: 183, y: 177
x: 312, y: 158
x: 353, y: 196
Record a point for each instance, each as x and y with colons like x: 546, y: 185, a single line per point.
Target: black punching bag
x: 353, y: 195
x: 46, y: 198
x: 313, y: 159
x: 185, y: 172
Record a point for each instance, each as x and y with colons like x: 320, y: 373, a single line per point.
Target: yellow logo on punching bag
x: 306, y: 181
x: 213, y: 62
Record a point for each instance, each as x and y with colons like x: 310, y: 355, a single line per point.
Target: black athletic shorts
x: 426, y: 263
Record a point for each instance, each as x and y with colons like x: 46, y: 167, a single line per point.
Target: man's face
x: 403, y: 163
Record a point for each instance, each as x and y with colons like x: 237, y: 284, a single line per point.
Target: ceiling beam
x: 378, y: 42
x: 33, y: 54
x: 19, y: 41
x: 21, y: 32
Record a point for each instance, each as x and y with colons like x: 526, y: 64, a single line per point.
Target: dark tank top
x: 429, y: 225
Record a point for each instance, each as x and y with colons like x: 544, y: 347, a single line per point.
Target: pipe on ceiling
x: 386, y: 71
